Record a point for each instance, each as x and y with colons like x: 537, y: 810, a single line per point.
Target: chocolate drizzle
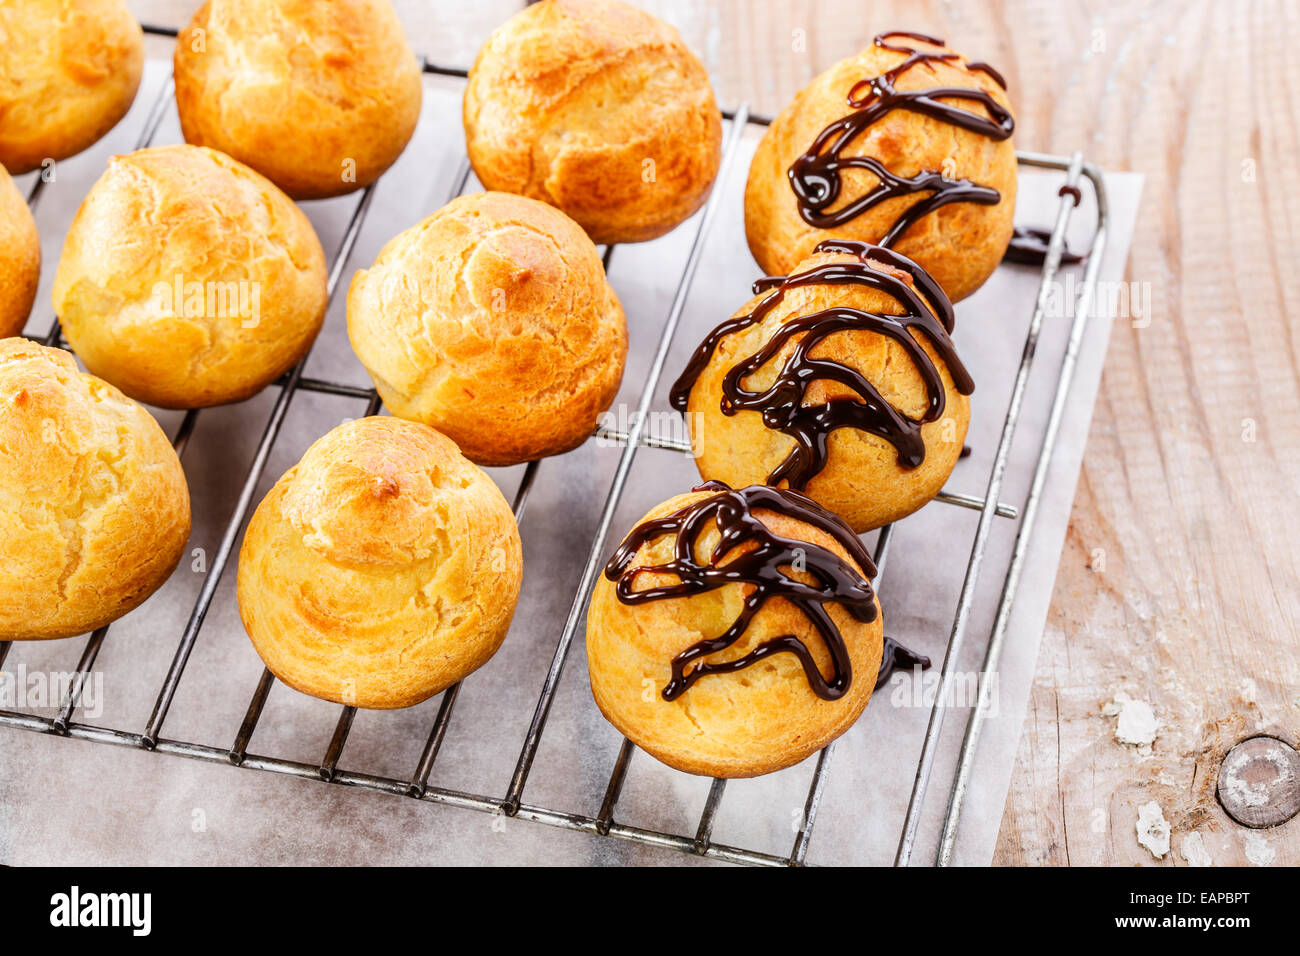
x: 895, y: 657
x: 1028, y: 247
x: 924, y: 308
x: 765, y: 568
x: 815, y: 175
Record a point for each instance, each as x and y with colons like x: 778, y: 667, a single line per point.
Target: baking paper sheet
x: 67, y: 801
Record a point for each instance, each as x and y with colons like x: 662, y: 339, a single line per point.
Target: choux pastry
x: 598, y: 108
x: 493, y: 322
x: 20, y: 258
x: 839, y: 380
x: 381, y: 569
x: 734, y: 633
x: 906, y: 145
x: 188, y: 280
x: 320, y: 98
x: 69, y: 70
x: 94, y: 509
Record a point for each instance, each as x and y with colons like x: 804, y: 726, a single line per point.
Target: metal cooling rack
x: 603, y: 823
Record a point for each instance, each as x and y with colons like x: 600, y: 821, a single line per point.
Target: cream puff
x: 493, y: 322
x: 906, y: 145
x: 735, y: 633
x: 598, y: 108
x: 840, y: 380
x: 69, y: 70
x: 94, y: 509
x: 187, y: 279
x: 20, y: 258
x: 320, y: 98
x: 381, y: 569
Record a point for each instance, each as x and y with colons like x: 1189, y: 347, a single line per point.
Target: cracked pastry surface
x: 380, y: 569
x: 598, y: 108
x: 960, y: 244
x: 861, y: 476
x: 321, y: 98
x: 20, y: 258
x: 94, y: 508
x: 69, y: 70
x: 187, y: 279
x: 751, y: 721
x: 492, y: 321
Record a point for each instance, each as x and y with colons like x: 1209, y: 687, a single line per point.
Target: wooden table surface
x: 1178, y: 584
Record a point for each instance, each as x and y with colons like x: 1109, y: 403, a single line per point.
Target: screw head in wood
x: 1259, y: 782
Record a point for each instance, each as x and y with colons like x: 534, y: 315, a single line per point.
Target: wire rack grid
x: 636, y: 436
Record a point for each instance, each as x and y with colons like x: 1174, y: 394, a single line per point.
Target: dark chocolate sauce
x: 924, y: 308
x: 1028, y: 247
x: 896, y: 657
x: 965, y: 451
x: 765, y: 568
x: 815, y: 175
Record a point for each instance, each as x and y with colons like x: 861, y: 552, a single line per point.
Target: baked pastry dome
x: 94, y: 509
x: 69, y: 70
x: 751, y: 615
x: 320, y: 98
x: 187, y: 279
x: 906, y: 145
x: 20, y: 258
x: 839, y: 380
x: 598, y: 108
x: 493, y: 322
x: 380, y: 569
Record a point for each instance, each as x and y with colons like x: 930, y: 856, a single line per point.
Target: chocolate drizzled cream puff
x: 840, y: 380
x: 905, y: 145
x: 735, y: 633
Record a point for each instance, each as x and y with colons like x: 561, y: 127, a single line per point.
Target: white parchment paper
x: 69, y: 801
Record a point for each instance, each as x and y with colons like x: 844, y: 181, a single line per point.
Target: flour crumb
x: 1153, y: 829
x: 1194, y: 852
x: 1258, y: 851
x: 1136, y: 725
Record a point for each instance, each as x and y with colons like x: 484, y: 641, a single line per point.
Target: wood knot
x: 1259, y: 782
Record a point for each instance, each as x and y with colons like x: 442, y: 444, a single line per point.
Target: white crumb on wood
x: 1258, y: 850
x: 1136, y: 725
x: 1194, y: 852
x: 1153, y: 829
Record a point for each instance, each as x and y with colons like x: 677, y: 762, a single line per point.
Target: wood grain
x: 1179, y: 581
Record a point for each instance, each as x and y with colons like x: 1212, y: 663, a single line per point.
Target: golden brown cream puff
x: 493, y: 322
x: 94, y: 509
x: 320, y: 98
x: 381, y: 569
x: 69, y: 70
x: 598, y: 108
x: 906, y: 145
x: 735, y: 633
x: 187, y: 279
x: 839, y: 380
